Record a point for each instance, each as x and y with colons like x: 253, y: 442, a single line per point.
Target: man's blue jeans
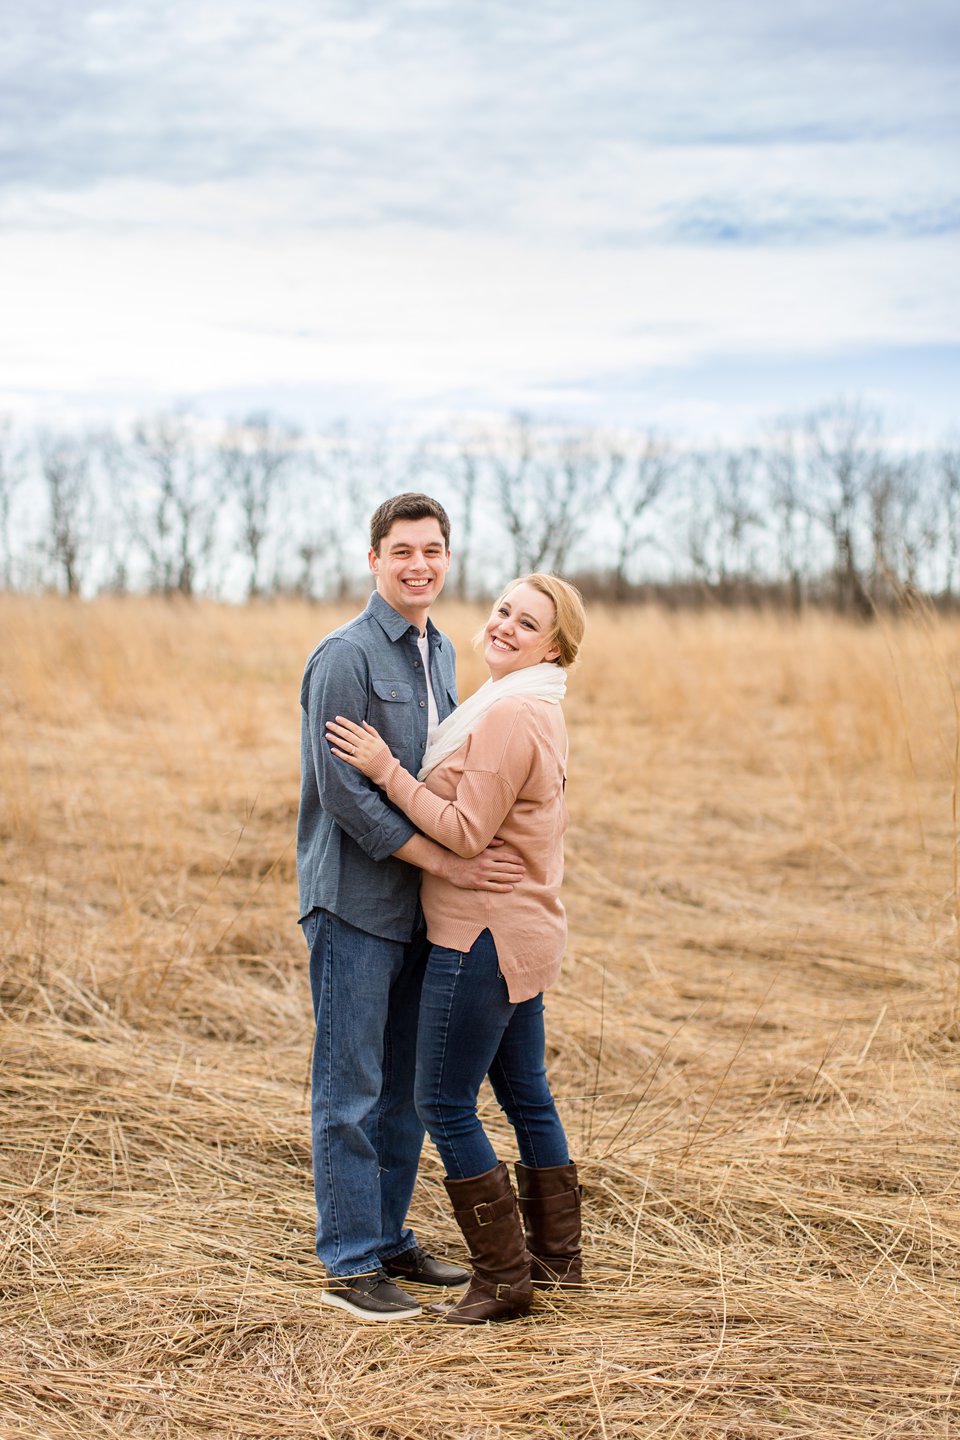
x: 468, y: 1029
x: 367, y: 1137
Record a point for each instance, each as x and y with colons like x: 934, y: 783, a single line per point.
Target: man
x: 359, y: 861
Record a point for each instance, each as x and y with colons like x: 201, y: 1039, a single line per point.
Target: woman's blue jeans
x: 468, y: 1029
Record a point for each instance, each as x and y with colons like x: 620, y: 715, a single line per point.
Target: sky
x: 687, y: 216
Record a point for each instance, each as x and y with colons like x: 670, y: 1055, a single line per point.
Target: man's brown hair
x: 409, y: 506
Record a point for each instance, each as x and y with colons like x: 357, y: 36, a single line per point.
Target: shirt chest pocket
x: 393, y: 691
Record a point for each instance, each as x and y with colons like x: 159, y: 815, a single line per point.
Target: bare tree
x: 316, y: 558
x: 172, y: 506
x: 733, y: 484
x: 307, y: 583
x: 789, y: 512
x: 465, y: 476
x: 949, y: 489
x: 65, y: 466
x: 880, y: 490
x: 253, y: 458
x: 11, y: 477
x: 509, y: 461
x: 902, y: 525
x: 842, y: 441
x: 341, y: 471
x: 916, y: 522
x: 635, y: 482
x: 723, y: 518
x: 546, y: 490
x: 700, y: 529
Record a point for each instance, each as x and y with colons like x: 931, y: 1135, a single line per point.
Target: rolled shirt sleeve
x: 339, y: 684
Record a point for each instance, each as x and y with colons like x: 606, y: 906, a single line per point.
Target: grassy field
x: 755, y: 1043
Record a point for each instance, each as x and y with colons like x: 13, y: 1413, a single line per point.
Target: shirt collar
x: 393, y: 624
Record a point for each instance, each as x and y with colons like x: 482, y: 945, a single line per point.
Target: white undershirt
x: 433, y: 718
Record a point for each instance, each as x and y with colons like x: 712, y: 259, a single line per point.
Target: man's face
x: 411, y: 567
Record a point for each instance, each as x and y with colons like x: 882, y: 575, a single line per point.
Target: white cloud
x: 423, y: 200
x: 411, y: 311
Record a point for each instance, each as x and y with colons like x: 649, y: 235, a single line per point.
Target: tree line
x: 824, y: 509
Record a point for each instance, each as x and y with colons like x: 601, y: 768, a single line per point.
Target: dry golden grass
x: 755, y: 1043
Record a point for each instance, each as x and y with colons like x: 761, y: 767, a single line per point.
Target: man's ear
x: 373, y: 560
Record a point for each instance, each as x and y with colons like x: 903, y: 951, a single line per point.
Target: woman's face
x: 518, y: 632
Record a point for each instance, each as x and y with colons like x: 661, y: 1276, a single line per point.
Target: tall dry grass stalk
x: 755, y: 1043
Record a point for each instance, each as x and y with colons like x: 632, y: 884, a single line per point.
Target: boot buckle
x: 503, y: 1292
x: 483, y: 1206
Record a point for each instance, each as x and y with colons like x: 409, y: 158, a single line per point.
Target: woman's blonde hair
x: 568, y: 628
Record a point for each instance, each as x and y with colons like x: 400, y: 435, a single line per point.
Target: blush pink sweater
x: 507, y: 779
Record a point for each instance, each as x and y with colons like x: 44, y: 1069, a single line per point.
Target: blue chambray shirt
x: 347, y: 829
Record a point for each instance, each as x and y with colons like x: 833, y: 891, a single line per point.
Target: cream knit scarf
x: 544, y: 682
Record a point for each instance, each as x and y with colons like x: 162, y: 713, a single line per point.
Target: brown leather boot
x: 486, y: 1211
x: 550, y: 1204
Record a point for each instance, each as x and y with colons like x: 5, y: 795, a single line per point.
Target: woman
x: 496, y: 766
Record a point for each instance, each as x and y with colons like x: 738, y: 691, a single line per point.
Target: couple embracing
x: 430, y: 856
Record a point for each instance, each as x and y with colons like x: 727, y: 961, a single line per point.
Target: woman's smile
x: 520, y: 632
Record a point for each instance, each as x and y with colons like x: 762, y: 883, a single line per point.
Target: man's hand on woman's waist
x: 497, y: 868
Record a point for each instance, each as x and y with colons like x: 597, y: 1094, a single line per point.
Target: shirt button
x: 416, y: 664
x: 393, y: 694
x: 423, y: 704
